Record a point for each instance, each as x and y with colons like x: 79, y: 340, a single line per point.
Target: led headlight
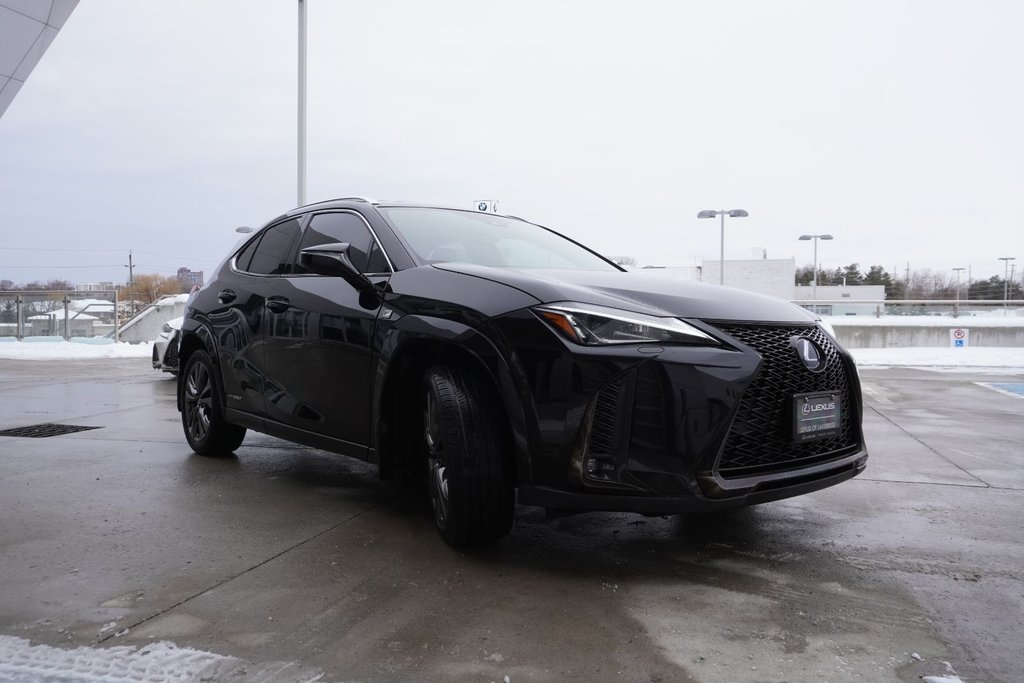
x: 591, y: 325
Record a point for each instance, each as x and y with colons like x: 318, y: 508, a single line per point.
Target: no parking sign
x: 959, y: 337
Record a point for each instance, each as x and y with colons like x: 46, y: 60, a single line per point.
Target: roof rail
x: 368, y: 200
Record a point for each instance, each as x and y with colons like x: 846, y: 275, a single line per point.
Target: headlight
x: 166, y: 329
x: 591, y: 325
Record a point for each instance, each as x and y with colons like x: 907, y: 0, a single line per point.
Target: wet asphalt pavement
x: 300, y: 563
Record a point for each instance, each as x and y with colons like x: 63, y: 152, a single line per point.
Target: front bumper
x: 762, y: 492
x: 676, y: 429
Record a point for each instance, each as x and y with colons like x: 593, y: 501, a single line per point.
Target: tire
x: 202, y: 417
x: 471, y: 488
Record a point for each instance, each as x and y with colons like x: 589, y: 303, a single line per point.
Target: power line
x: 47, y: 267
x: 141, y: 251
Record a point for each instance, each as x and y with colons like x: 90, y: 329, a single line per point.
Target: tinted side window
x: 242, y: 262
x: 274, y: 252
x: 364, y: 251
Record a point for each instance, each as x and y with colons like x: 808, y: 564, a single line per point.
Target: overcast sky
x: 160, y: 127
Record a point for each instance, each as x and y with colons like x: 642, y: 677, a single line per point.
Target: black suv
x: 495, y: 356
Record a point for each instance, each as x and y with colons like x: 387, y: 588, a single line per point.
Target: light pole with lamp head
x: 711, y: 213
x: 814, y: 280
x: 1006, y: 279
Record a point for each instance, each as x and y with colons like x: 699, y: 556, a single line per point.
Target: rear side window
x: 327, y: 228
x: 273, y: 253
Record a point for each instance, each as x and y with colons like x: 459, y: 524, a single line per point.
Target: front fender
x: 415, y: 342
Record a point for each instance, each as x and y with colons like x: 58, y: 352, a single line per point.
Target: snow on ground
x: 1013, y: 318
x: 158, y: 662
x: 946, y: 359
x: 63, y: 350
x: 163, y: 661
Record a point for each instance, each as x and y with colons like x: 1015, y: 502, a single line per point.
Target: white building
x: 840, y: 299
x: 776, y: 277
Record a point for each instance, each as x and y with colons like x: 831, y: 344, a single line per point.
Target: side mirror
x: 332, y: 260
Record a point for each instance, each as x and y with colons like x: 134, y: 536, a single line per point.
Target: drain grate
x: 44, y: 430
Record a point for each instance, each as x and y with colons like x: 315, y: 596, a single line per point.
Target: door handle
x: 278, y: 304
x: 226, y: 296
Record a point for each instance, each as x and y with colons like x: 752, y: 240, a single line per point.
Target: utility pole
x: 131, y: 285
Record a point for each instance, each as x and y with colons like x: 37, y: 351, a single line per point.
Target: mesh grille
x: 171, y: 357
x: 44, y: 430
x: 760, y: 439
x: 603, y: 426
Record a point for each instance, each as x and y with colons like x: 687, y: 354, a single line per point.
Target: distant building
x: 841, y: 299
x: 190, y: 277
x: 775, y: 277
x: 96, y: 287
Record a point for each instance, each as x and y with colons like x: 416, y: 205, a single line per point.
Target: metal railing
x: 913, y: 307
x: 63, y: 314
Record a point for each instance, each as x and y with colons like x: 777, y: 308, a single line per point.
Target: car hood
x: 657, y: 295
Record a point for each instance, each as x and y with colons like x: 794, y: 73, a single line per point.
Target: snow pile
x: 163, y: 661
x: 944, y: 358
x: 990, y: 319
x: 62, y: 350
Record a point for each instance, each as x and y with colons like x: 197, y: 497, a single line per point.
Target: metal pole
x: 956, y: 306
x: 721, y: 253
x: 131, y: 286
x: 302, y: 105
x: 814, y: 280
x: 1006, y: 282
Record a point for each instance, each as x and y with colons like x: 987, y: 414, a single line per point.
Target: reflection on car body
x: 498, y: 359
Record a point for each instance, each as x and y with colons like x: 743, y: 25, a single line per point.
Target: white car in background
x: 165, y: 347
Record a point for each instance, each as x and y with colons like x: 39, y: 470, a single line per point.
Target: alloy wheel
x: 198, y: 401
x: 438, y: 473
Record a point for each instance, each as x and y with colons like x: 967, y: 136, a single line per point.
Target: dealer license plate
x: 816, y: 416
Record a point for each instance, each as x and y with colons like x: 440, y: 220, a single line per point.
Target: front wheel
x: 471, y: 487
x: 201, y: 415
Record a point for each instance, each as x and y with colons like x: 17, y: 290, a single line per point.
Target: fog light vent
x: 600, y: 468
x: 41, y: 431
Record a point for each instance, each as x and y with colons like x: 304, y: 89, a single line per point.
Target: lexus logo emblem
x: 810, y: 353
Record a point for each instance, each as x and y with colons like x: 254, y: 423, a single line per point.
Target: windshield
x: 438, y: 235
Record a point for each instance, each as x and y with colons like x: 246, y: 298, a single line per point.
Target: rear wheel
x: 470, y: 484
x: 201, y: 415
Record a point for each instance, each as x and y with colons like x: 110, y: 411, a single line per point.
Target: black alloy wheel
x: 471, y: 489
x: 201, y: 415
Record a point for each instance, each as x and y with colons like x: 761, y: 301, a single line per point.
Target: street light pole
x: 956, y: 307
x: 1006, y: 282
x: 814, y: 280
x: 302, y: 105
x: 711, y: 213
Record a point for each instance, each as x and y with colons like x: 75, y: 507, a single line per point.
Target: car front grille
x: 760, y: 440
